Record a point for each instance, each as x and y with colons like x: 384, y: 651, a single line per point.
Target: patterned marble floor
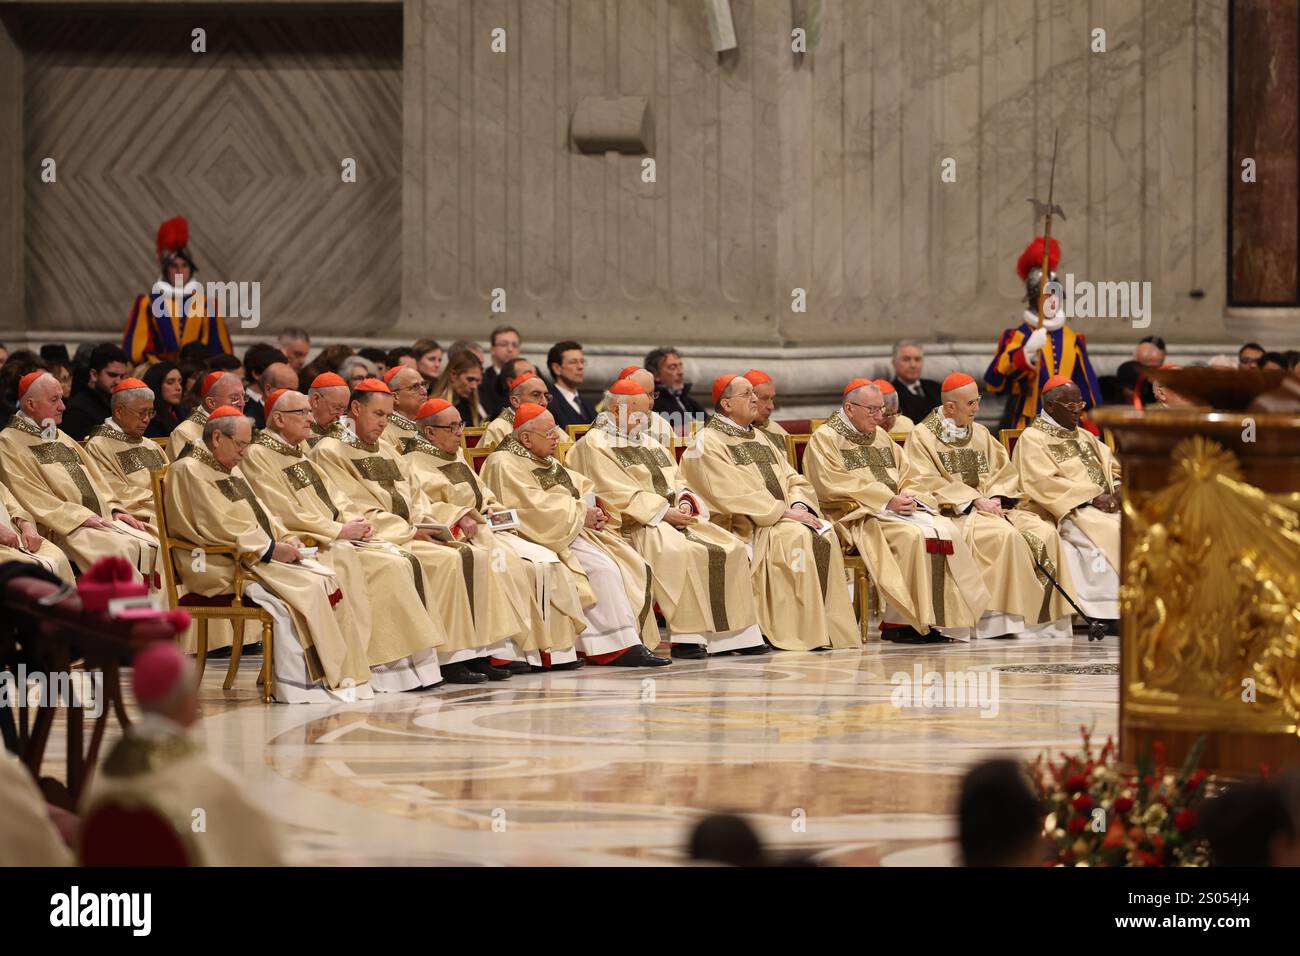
x: 605, y: 766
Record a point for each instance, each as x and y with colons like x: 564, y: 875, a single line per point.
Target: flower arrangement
x: 1098, y: 816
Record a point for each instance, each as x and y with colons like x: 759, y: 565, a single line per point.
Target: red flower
x: 1123, y: 804
x: 1076, y: 783
x: 1082, y: 802
x: 1077, y: 824
x: 1185, y: 820
x: 1148, y: 859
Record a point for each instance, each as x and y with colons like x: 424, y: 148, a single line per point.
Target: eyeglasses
x: 871, y: 409
x: 295, y: 411
x: 239, y: 445
x: 420, y: 386
x: 458, y: 427
x: 1073, y: 406
x: 144, y: 414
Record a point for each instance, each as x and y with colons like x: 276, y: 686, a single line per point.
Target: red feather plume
x: 173, y: 235
x: 1033, y: 256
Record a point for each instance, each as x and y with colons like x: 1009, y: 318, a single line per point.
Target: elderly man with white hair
x: 61, y: 488
x: 125, y: 457
x: 659, y: 428
x: 796, y: 565
x: 438, y: 468
x: 380, y: 578
x: 525, y: 389
x: 319, y: 652
x: 219, y: 390
x: 954, y: 460
x: 892, y: 420
x: 328, y: 400
x: 700, y: 572
x: 557, y: 508
x: 918, y: 560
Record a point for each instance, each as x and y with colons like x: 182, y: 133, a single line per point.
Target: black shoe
x: 639, y: 656
x: 481, y: 665
x: 756, y: 649
x: 458, y: 673
x: 254, y: 649
x: 220, y: 654
x: 907, y: 635
x: 566, y: 666
x: 516, y: 667
x: 689, y: 652
x: 1003, y: 637
x: 817, y: 650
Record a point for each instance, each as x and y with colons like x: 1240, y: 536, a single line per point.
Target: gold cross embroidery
x: 459, y: 473
x: 548, y: 478
x: 967, y: 462
x: 1073, y: 448
x: 303, y: 475
x: 55, y: 453
x: 763, y: 458
x: 138, y: 459
x: 876, y: 459
x: 236, y: 490
x: 386, y: 475
x: 654, y: 461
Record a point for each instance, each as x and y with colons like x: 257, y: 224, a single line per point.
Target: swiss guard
x: 174, y: 313
x: 1029, y: 355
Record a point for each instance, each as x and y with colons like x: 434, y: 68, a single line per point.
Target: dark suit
x: 565, y: 414
x: 85, y: 412
x: 490, y: 393
x: 254, y: 410
x: 678, y: 408
x: 914, y: 406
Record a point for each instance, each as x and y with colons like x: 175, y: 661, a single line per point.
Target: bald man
x: 1071, y: 479
x: 660, y: 429
x: 765, y: 396
x: 219, y: 390
x: 558, y: 509
x: 953, y: 459
x: 409, y: 392
x: 525, y: 389
x: 127, y: 459
x: 749, y: 488
x: 918, y: 559
x: 275, y: 376
x: 700, y: 572
x: 61, y: 488
x: 380, y: 578
x: 328, y: 400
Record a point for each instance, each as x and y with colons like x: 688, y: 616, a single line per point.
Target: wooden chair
x: 232, y: 607
x: 1009, y: 437
x: 815, y: 423
x: 899, y: 437
x: 795, y: 446
x: 562, y: 450
x: 855, y: 565
x: 471, y: 436
x: 475, y: 457
x: 577, y: 431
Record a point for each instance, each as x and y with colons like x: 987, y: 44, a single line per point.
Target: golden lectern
x: 1210, y: 595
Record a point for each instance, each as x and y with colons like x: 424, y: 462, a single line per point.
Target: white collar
x: 1053, y: 421
x: 728, y: 421
x: 564, y: 391
x: 1052, y: 324
x: 951, y: 431
x: 111, y: 423
x: 848, y: 421
x: 165, y: 288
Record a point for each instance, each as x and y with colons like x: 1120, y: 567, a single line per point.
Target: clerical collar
x: 943, y: 428
x: 725, y: 425
x: 1045, y: 422
x: 199, y: 416
x: 111, y: 429
x: 508, y: 414
x: 269, y: 439
x: 401, y: 421
x: 23, y: 422
x: 609, y: 425
x: 840, y: 424
x: 199, y: 453
x: 348, y: 437
x: 512, y: 444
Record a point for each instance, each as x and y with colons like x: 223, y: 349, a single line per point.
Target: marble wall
x: 822, y: 172
x: 774, y: 171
